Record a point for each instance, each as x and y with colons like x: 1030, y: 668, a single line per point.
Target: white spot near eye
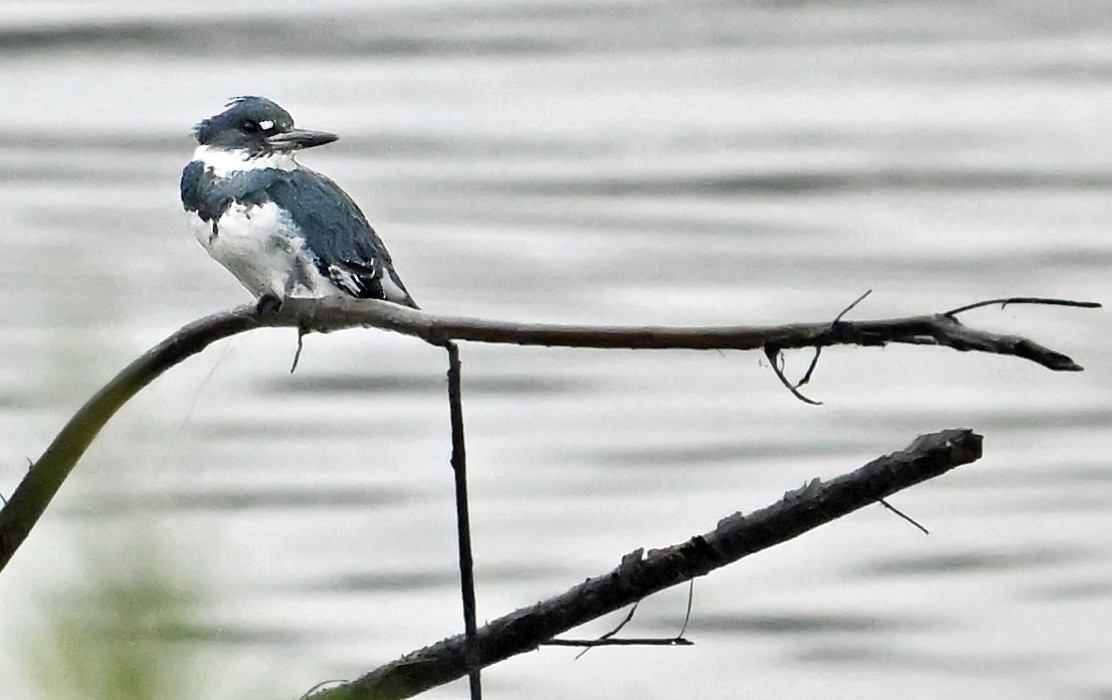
x: 266, y: 125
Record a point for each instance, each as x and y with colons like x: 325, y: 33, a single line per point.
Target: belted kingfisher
x: 282, y: 229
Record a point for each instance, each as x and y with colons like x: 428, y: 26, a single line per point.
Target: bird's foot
x: 268, y: 304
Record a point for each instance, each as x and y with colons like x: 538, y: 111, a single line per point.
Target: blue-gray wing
x: 348, y: 250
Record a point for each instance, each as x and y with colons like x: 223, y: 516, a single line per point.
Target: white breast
x: 254, y: 243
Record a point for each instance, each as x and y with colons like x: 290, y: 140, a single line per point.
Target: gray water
x: 607, y: 162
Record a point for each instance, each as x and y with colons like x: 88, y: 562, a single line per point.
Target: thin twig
x: 690, y: 604
x: 463, y: 519
x: 1005, y: 301
x: 618, y: 642
x: 903, y: 515
x: 320, y: 686
x: 774, y: 356
x: 853, y: 304
x: 300, y: 345
x: 806, y: 378
x: 609, y: 639
x: 609, y: 635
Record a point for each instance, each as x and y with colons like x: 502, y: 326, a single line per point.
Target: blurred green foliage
x: 123, y: 630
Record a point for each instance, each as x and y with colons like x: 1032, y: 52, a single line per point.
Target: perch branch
x: 942, y: 329
x: 641, y: 574
x: 27, y: 503
x: 46, y: 475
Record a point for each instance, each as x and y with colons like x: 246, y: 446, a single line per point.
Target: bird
x: 283, y: 230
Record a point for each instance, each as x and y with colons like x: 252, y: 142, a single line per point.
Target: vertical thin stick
x: 463, y: 518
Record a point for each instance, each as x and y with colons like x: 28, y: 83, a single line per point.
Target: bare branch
x: 641, y: 574
x: 937, y: 329
x: 45, y: 477
x: 27, y: 503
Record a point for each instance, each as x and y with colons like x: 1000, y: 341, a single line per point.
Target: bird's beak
x: 296, y: 139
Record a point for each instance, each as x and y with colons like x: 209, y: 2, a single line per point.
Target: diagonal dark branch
x: 27, y: 503
x: 641, y: 574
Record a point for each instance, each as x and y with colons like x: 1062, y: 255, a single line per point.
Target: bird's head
x: 258, y: 127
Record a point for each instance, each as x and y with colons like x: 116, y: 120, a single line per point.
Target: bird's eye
x: 249, y: 126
